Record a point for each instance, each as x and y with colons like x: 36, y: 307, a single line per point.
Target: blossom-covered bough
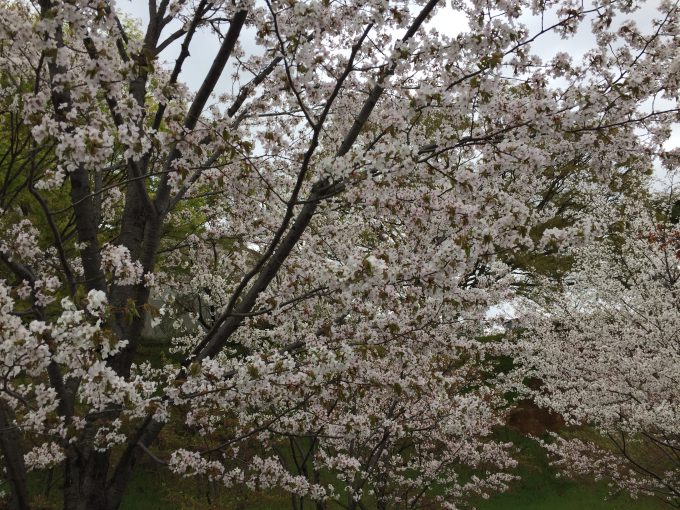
x: 324, y: 218
x: 606, y: 353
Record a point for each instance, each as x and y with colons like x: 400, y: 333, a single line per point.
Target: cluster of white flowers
x: 117, y: 260
x: 96, y: 302
x: 44, y: 456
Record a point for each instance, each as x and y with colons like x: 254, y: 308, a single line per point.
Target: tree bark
x: 10, y: 445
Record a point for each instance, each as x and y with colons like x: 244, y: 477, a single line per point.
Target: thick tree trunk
x: 85, y: 477
x: 85, y: 482
x: 12, y: 452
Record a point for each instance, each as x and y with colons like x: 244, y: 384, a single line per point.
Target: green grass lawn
x: 543, y: 493
x: 538, y: 493
x: 538, y: 489
x: 154, y: 488
x: 541, y: 489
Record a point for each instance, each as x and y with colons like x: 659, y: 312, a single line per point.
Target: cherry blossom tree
x: 332, y: 205
x: 606, y: 352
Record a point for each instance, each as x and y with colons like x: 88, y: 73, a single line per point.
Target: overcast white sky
x: 446, y: 20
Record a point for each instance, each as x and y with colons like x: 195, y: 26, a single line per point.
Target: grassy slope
x: 538, y: 489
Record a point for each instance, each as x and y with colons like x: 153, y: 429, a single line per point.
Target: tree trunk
x: 85, y: 476
x: 10, y: 445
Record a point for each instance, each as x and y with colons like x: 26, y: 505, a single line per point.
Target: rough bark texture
x: 12, y: 454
